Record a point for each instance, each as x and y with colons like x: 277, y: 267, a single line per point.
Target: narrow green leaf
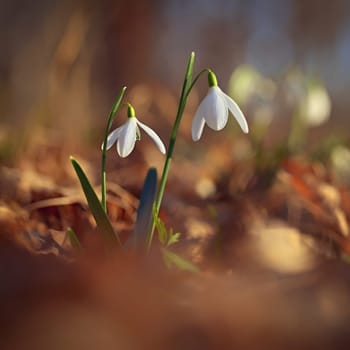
x: 162, y: 231
x: 101, y: 218
x: 168, y: 263
x: 74, y: 240
x: 174, y: 238
x: 144, y: 211
x: 171, y: 258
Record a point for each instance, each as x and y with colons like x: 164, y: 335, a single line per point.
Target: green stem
x: 104, y: 148
x: 195, y: 80
x: 186, y: 88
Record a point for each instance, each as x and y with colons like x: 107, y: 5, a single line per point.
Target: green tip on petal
x: 212, y: 81
x: 131, y: 111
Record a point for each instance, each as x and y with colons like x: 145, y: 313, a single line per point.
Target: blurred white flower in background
x: 316, y: 107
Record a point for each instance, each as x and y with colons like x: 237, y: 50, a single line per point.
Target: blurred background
x: 276, y: 200
x: 63, y: 62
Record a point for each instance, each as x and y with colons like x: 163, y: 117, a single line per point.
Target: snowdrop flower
x: 213, y: 110
x: 126, y: 135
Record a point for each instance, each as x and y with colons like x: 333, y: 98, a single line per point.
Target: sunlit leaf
x: 74, y: 240
x: 162, y: 231
x: 101, y: 218
x: 174, y: 238
x: 171, y: 259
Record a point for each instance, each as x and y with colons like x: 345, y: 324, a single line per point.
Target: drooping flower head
x: 213, y: 110
x: 126, y: 135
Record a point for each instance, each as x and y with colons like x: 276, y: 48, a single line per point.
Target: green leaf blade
x: 99, y: 214
x: 171, y: 259
x: 74, y: 240
x: 174, y: 238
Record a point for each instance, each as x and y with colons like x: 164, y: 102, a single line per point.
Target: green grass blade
x: 74, y: 240
x: 145, y: 209
x: 171, y: 259
x: 101, y: 218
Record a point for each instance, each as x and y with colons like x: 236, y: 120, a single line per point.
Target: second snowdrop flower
x: 214, y: 109
x: 126, y: 135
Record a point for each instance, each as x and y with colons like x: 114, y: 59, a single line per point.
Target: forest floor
x: 271, y: 240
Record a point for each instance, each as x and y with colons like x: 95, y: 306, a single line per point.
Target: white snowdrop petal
x: 216, y: 112
x: 153, y: 136
x: 112, y: 138
x: 198, y: 123
x: 127, y: 138
x: 236, y: 112
x: 206, y: 109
